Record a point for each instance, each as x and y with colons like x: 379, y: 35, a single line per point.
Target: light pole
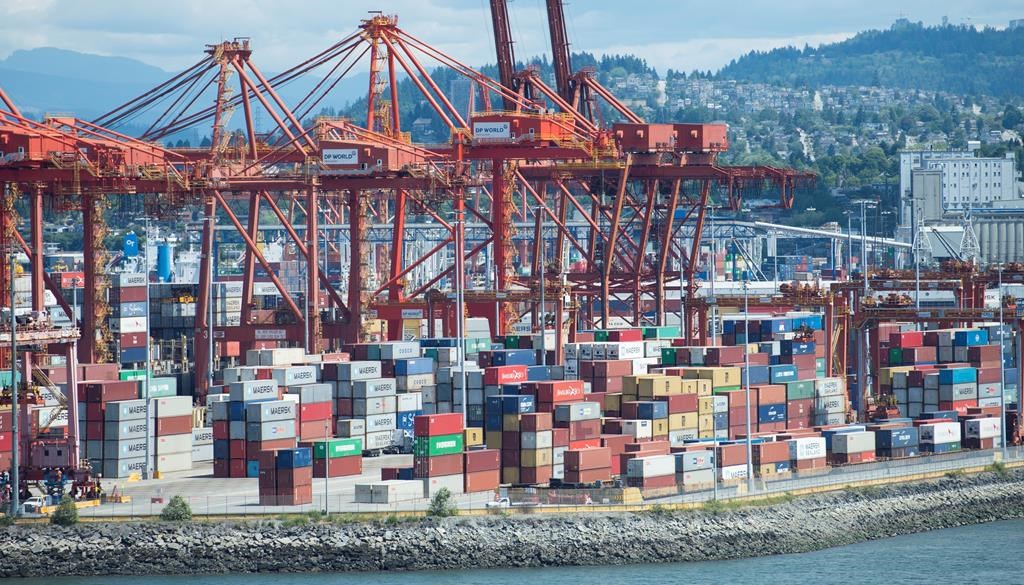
x: 211, y: 272
x: 849, y: 243
x: 713, y: 276
x: 1002, y: 366
x: 327, y: 464
x: 75, y: 283
x: 746, y: 382
x: 459, y: 305
x: 543, y: 276
x: 148, y: 470
x: 15, y: 426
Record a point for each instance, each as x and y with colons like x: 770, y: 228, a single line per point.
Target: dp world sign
x: 492, y: 130
x: 341, y: 156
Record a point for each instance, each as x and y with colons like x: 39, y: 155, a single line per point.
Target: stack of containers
x: 830, y: 402
x: 939, y: 436
x: 312, y: 422
x: 501, y: 429
x: 230, y: 452
x: 172, y: 433
x: 958, y: 389
x: 285, y: 477
x: 896, y: 443
x: 982, y: 432
x: 482, y: 470
x: 695, y: 469
x: 336, y: 457
x: 269, y: 426
x: 854, y: 447
x: 588, y: 465
x: 362, y: 394
x: 124, y: 447
x: 437, y: 452
x: 771, y: 459
x: 94, y: 397
x: 227, y: 304
x: 731, y: 461
x: 583, y: 422
x: 6, y: 438
x: 536, y: 454
x: 808, y: 454
x: 128, y: 316
x: 316, y: 410
x: 682, y: 400
x: 655, y: 472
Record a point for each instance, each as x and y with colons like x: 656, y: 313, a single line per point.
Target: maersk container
x: 807, y: 448
x: 694, y: 461
x: 381, y: 422
x: 312, y: 393
x: 379, y: 440
x: 295, y: 375
x: 896, y: 438
x: 856, y: 442
x: 253, y: 390
x: 957, y: 392
x: 937, y: 433
x: 829, y: 387
x: 983, y: 428
x: 268, y: 431
x: 172, y: 444
x: 376, y: 388
x: 124, y: 430
x: 123, y: 467
x: 732, y: 472
x: 124, y: 449
x: 829, y: 405
x: 371, y: 406
x: 355, y: 427
x: 655, y: 466
x: 273, y: 410
x: 360, y: 370
x: 125, y: 410
x: 577, y: 411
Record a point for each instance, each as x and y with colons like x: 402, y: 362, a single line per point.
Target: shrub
x: 999, y: 468
x: 442, y: 505
x: 177, y: 510
x: 66, y: 514
x: 6, y: 520
x: 714, y: 507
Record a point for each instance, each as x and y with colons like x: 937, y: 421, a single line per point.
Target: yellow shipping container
x: 660, y: 386
x: 765, y: 470
x: 535, y: 457
x: 704, y: 387
x: 680, y: 421
x: 706, y: 422
x: 706, y: 405
x: 631, y: 384
x: 885, y: 374
x: 659, y: 427
x: 510, y: 422
x: 493, y: 439
x: 719, y: 376
x: 509, y: 475
x: 690, y: 386
x: 473, y: 436
x: 612, y: 402
x: 706, y: 434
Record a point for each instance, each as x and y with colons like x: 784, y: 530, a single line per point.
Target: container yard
x: 530, y: 312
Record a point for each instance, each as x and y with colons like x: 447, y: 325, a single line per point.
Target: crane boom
x: 503, y: 47
x: 560, y: 49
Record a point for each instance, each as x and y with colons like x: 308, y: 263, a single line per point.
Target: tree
x: 1012, y: 117
x: 66, y: 514
x: 442, y: 505
x: 177, y: 510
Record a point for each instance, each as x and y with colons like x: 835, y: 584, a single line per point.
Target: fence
x: 340, y: 499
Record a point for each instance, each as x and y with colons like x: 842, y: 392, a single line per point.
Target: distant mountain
x: 49, y: 80
x: 957, y: 59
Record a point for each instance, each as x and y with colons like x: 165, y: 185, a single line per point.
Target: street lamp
x: 543, y: 276
x: 746, y: 382
x: 147, y: 471
x: 1002, y: 365
x: 865, y: 263
x: 15, y: 427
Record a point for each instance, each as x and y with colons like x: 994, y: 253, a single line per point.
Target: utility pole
x: 327, y: 464
x: 746, y: 384
x: 145, y: 393
x: 209, y: 326
x: 1002, y: 366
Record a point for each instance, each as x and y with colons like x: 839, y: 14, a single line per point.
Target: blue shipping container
x: 896, y: 438
x: 493, y: 421
x: 652, y: 410
x: 721, y: 420
x: 406, y: 419
x: 513, y: 357
x: 133, y: 355
x: 125, y: 310
x: 783, y: 373
x: 221, y: 449
x: 406, y: 473
x: 294, y: 458
x: 970, y: 338
x: 236, y: 411
x: 538, y: 373
x: 789, y: 347
x: 776, y: 325
x: 958, y: 376
x: 414, y: 366
x: 252, y: 469
x: 950, y: 415
x: 756, y: 375
x: 783, y: 466
x: 771, y: 413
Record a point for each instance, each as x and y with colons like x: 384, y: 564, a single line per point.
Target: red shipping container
x: 960, y: 406
x: 660, y: 447
x: 221, y: 468
x: 314, y: 411
x: 96, y: 372
x: 386, y: 473
x: 315, y: 429
x: 5, y: 421
x: 221, y: 430
x: 237, y: 449
x: 805, y: 464
x: 559, y: 391
x: 268, y: 478
x: 759, y: 359
x: 680, y: 403
x: 799, y: 408
x: 481, y: 460
x: 299, y: 496
x: 582, y: 459
x: 237, y: 468
x: 6, y: 441
x: 510, y: 439
x: 799, y: 423
x: 605, y: 368
x: 991, y: 376
x: 438, y: 466
x: 535, y: 475
x: 984, y: 353
x: 625, y: 335
x: 288, y: 479
x: 613, y: 385
x: 802, y: 362
x: 587, y: 444
x: 111, y: 390
x: 906, y: 339
x: 559, y: 437
x: 482, y: 481
x: 173, y: 425
x: 588, y: 475
x: 731, y: 455
x: 129, y: 340
x: 131, y: 294
x: 582, y: 430
x: 432, y: 425
x: 267, y: 457
x: 535, y: 422
x: 497, y: 375
x: 94, y: 411
x: 613, y: 426
x: 510, y: 457
x: 720, y: 356
x: 343, y: 407
x: 772, y: 452
x: 768, y: 394
x: 94, y: 431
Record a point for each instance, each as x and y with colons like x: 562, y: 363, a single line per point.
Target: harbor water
x: 971, y: 554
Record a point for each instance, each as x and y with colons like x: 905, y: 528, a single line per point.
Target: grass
x: 999, y: 468
x: 867, y: 491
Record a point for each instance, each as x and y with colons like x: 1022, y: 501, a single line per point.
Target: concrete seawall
x: 803, y: 524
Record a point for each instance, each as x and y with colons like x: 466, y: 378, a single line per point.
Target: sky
x: 678, y: 34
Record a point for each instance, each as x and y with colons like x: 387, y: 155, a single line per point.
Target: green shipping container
x: 725, y: 389
x: 668, y: 356
x: 335, y: 448
x: 800, y: 390
x: 161, y: 387
x: 601, y: 335
x: 131, y: 375
x: 896, y: 356
x: 511, y: 342
x: 663, y: 332
x: 819, y: 364
x: 439, y: 445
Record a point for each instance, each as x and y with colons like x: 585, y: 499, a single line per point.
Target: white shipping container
x: 536, y: 440
x: 993, y: 401
x: 296, y: 375
x: 410, y: 402
x: 829, y: 405
x: 696, y: 460
x: 202, y: 436
x: 983, y: 428
x: 271, y: 410
x: 377, y: 388
x: 128, y: 325
x: 558, y: 455
x: 680, y: 437
x: 432, y: 485
x: 414, y: 382
x: 638, y: 429
x: 381, y: 422
x: 253, y: 390
x: 172, y: 406
x: 721, y: 404
x: 173, y: 462
x: 652, y: 347
x: 577, y: 411
x: 125, y: 410
x: 807, y: 448
x: 954, y: 392
x: 202, y: 453
x: 389, y: 492
x: 395, y: 350
x: 625, y: 350
x: 379, y: 440
x: 732, y: 472
x: 371, y: 406
x: 312, y: 393
x: 656, y: 466
x: 829, y: 387
x: 860, y: 442
x: 939, y: 433
x: 355, y: 427
x: 282, y: 356
x: 700, y: 477
x: 990, y: 389
x: 171, y: 444
x: 361, y: 370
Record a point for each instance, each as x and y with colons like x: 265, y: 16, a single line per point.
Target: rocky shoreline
x: 803, y: 524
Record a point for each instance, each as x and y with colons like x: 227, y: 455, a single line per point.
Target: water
x: 985, y: 553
